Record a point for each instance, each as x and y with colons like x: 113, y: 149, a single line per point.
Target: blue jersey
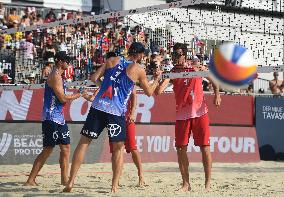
x: 52, y: 107
x: 115, y: 90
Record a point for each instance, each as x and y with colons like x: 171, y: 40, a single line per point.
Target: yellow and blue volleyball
x: 233, y: 66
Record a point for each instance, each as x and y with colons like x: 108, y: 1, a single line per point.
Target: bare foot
x: 64, y: 181
x: 30, y: 183
x: 141, y: 181
x: 185, y: 187
x: 114, y: 189
x: 207, y: 187
x: 68, y: 187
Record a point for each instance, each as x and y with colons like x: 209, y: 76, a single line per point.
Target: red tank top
x: 190, y: 102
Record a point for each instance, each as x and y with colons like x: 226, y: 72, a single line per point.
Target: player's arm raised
x: 95, y: 77
x: 217, y: 98
x: 56, y: 84
x: 98, y: 74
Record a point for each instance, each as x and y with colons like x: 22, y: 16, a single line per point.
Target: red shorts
x: 130, y: 142
x: 200, y: 130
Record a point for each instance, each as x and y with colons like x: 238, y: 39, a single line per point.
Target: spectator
x: 31, y: 78
x: 276, y: 85
x: 49, y: 50
x: 261, y: 91
x: 26, y: 16
x: 167, y: 64
x: 38, y: 20
x: 2, y: 41
x: 5, y: 79
x: 25, y: 22
x: 250, y: 89
x: 196, y: 61
x: 47, y: 69
x: 2, y: 11
x: 13, y: 18
x: 30, y: 50
x: 69, y: 73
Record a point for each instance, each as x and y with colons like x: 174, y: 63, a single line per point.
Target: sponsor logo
x: 5, y: 143
x: 20, y: 145
x: 273, y: 113
x: 25, y: 145
x: 91, y: 133
x: 114, y: 130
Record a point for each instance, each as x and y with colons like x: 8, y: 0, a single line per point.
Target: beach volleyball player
x: 54, y: 129
x: 130, y: 142
x: 109, y: 107
x: 191, y: 114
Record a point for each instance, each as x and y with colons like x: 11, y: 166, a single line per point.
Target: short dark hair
x: 136, y: 47
x: 181, y: 46
x: 110, y: 54
x: 63, y: 56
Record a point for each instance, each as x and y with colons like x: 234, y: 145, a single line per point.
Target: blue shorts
x: 54, y: 134
x: 98, y: 120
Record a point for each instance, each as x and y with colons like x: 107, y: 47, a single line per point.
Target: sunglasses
x: 177, y: 54
x: 65, y: 61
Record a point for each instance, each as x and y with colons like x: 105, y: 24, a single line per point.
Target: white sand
x: 163, y: 179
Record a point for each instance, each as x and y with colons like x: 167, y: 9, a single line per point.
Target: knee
x: 205, y: 149
x: 117, y: 146
x: 65, y: 151
x: 134, y: 152
x: 181, y: 149
x: 85, y: 140
x: 47, y: 150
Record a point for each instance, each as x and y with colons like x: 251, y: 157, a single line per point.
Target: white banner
x: 77, y: 5
x: 5, y: 1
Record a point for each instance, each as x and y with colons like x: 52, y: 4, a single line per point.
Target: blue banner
x: 269, y: 114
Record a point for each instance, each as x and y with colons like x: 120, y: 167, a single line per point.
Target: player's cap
x: 195, y: 58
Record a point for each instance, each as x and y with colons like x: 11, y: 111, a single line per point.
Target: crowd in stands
x: 86, y: 43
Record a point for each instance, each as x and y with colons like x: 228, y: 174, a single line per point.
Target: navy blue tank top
x: 53, y: 109
x: 115, y: 90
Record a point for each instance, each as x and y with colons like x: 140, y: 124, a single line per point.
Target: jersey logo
x: 108, y: 93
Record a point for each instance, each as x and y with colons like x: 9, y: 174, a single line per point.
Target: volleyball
x: 233, y: 66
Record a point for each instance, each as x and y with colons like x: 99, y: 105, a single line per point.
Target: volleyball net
x: 202, y: 24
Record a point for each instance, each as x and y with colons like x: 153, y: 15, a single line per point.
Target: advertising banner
x: 22, y: 142
x: 270, y: 127
x: 227, y: 144
x: 27, y: 105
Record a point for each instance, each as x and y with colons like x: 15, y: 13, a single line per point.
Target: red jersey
x: 190, y: 102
